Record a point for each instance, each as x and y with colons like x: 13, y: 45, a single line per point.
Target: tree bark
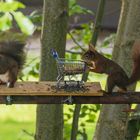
x: 133, y: 126
x: 133, y: 33
x: 112, y: 121
x: 98, y: 22
x: 75, y: 121
x: 49, y: 125
x: 120, y: 29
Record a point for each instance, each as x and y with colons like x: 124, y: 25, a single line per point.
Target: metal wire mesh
x: 68, y: 67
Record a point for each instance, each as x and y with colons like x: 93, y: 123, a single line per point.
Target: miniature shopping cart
x: 69, y: 68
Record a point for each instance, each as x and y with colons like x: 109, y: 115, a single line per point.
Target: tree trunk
x: 49, y: 125
x: 133, y: 126
x: 112, y: 121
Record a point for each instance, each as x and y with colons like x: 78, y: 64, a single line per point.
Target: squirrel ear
x: 91, y: 47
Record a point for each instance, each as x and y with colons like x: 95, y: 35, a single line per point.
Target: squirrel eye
x: 87, y: 56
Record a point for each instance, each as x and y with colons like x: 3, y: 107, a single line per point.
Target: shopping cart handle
x: 54, y: 53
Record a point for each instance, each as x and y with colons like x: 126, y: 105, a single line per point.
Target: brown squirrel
x: 116, y: 75
x: 12, y: 58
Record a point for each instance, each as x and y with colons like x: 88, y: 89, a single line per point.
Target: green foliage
x: 88, y: 116
x: 23, y: 22
x: 74, y: 8
x: 31, y: 69
x: 77, y: 9
x: 107, y: 45
x: 5, y: 21
x: 81, y: 37
x: 109, y: 40
x: 10, y: 6
x: 36, y: 18
x: 9, y: 12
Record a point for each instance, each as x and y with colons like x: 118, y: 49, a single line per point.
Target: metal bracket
x: 9, y: 100
x: 68, y: 100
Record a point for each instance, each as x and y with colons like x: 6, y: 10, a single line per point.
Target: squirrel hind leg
x: 110, y: 84
x: 12, y: 77
x: 122, y: 90
x: 10, y: 84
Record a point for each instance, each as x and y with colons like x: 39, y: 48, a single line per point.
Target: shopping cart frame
x: 70, y: 68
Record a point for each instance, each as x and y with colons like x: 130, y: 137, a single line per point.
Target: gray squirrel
x: 12, y: 59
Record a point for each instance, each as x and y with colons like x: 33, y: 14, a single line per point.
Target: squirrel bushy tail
x: 135, y: 76
x: 14, y: 49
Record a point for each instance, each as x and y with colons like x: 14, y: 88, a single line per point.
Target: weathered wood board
x: 48, y: 89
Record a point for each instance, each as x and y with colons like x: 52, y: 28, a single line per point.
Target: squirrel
x: 12, y: 58
x: 99, y: 64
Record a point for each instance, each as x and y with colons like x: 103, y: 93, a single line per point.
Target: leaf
x: 68, y: 116
x: 84, y: 108
x: 77, y: 9
x: 5, y: 21
x: 2, y: 14
x: 90, y: 120
x: 82, y: 115
x: 35, y: 17
x: 71, y: 110
x: 10, y: 6
x: 24, y: 23
x: 82, y: 124
x: 73, y: 56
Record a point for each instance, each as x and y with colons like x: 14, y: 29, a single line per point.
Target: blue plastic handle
x: 54, y: 53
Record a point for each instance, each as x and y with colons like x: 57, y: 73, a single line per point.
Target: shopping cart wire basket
x: 70, y: 68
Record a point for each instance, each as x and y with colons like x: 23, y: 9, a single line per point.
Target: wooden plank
x: 48, y: 89
x: 114, y: 98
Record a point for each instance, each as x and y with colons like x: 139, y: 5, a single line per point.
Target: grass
x: 14, y: 130
x: 16, y: 119
x: 90, y: 128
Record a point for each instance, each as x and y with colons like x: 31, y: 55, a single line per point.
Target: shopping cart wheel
x: 65, y: 84
x: 68, y: 100
x: 78, y: 84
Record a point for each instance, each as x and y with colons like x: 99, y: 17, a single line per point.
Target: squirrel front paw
x: 92, y: 66
x: 10, y: 84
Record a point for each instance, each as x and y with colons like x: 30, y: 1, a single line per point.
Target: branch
x: 72, y: 52
x: 28, y: 64
x: 75, y: 41
x: 99, y: 17
x: 27, y: 133
x: 75, y: 121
